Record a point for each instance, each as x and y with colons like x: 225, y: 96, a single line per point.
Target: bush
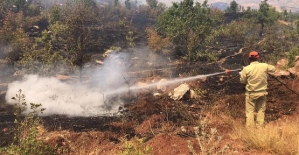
x: 26, y: 130
x: 209, y: 142
x: 291, y: 56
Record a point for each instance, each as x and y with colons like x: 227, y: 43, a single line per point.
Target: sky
x: 243, y: 2
x: 238, y: 1
x: 252, y: 3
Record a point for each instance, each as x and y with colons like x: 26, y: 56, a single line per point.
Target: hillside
x: 117, y: 78
x: 165, y: 124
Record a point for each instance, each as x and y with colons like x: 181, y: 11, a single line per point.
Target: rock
x: 180, y: 91
x: 17, y: 73
x: 282, y: 63
x: 35, y: 27
x: 108, y: 53
x: 279, y: 72
x: 99, y: 62
x: 111, y: 52
x: 296, y: 64
x: 183, y: 129
x: 221, y: 79
x: 295, y: 70
x: 292, y: 71
x: 157, y: 94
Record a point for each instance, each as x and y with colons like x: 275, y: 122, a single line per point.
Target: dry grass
x: 280, y: 137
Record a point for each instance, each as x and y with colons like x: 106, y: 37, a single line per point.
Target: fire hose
x: 283, y: 84
x: 227, y: 71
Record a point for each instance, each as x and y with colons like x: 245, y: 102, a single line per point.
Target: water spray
x: 174, y: 81
x: 79, y: 100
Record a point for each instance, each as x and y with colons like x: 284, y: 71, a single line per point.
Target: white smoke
x: 73, y: 98
x: 100, y: 95
x: 113, y: 73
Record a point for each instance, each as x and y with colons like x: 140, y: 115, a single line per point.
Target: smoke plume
x: 73, y: 98
x: 98, y: 95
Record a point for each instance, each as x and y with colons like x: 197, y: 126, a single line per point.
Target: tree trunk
x: 262, y: 29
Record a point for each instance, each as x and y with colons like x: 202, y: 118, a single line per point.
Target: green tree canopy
x: 267, y: 15
x: 152, y: 3
x: 187, y: 25
x: 233, y: 8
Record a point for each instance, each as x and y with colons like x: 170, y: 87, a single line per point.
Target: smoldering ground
x: 74, y: 98
x: 71, y: 98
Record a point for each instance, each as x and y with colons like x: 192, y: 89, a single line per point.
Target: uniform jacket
x: 255, y: 76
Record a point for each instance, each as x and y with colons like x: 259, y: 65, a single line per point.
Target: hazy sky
x: 169, y: 2
x: 290, y: 3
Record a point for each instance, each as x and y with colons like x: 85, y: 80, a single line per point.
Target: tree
x: 12, y: 36
x: 55, y: 14
x: 156, y: 43
x: 267, y: 15
x: 263, y: 13
x: 79, y: 37
x: 152, y: 3
x: 70, y: 38
x: 237, y: 31
x: 249, y: 13
x: 297, y: 25
x: 233, y: 8
x: 45, y: 56
x: 128, y: 4
x: 285, y: 15
x: 116, y: 3
x: 27, y: 7
x: 187, y: 26
x: 4, y: 7
x: 20, y: 4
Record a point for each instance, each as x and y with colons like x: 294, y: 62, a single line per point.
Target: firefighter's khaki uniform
x: 255, y: 78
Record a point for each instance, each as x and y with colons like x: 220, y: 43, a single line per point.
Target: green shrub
x: 291, y: 56
x: 207, y: 55
x: 26, y: 130
x: 200, y: 92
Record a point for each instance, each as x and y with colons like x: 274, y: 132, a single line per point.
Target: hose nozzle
x: 227, y: 71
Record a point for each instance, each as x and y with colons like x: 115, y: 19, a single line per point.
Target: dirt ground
x: 164, y: 124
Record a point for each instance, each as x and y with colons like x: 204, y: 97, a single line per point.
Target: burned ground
x: 165, y: 124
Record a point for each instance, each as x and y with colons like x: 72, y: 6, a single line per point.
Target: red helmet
x: 253, y: 54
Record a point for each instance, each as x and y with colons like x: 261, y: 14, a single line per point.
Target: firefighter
x: 255, y: 78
